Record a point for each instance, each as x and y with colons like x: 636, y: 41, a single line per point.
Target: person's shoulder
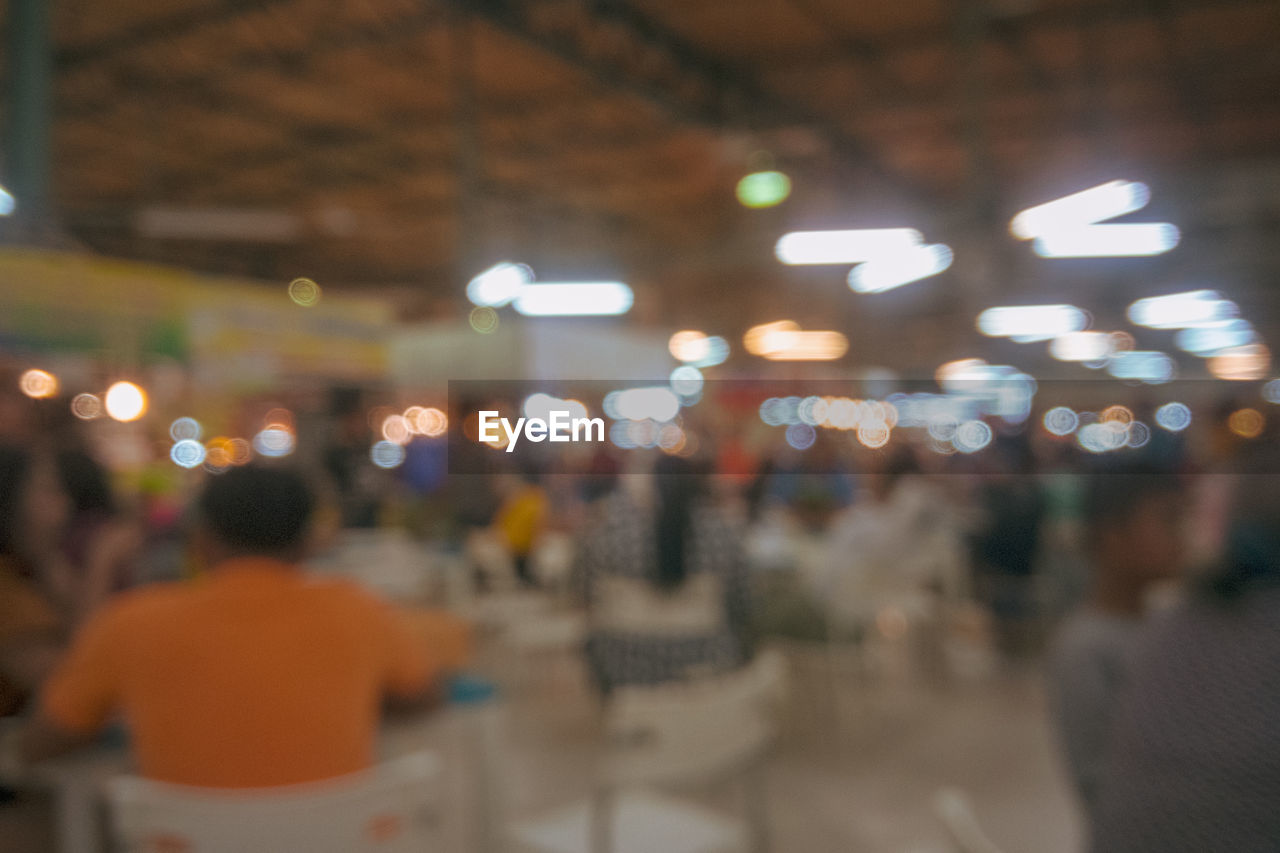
x: 152, y: 596
x: 143, y: 605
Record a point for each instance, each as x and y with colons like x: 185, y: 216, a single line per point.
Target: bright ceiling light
x: 1110, y: 240
x: 542, y: 406
x: 1182, y: 310
x: 637, y: 404
x: 844, y: 247
x: 499, y: 284
x: 1241, y: 364
x: 1147, y: 366
x: 784, y: 340
x: 697, y: 349
x: 717, y: 350
x: 757, y: 339
x: 689, y: 345
x: 904, y: 266
x: 809, y: 346
x: 7, y: 204
x: 1081, y: 346
x: 1028, y: 323
x: 1210, y: 338
x: 574, y: 299
x: 961, y: 368
x: 1087, y: 207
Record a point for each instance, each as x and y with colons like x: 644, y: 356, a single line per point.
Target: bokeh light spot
x: 86, y: 407
x: 185, y: 428
x: 972, y: 436
x: 1174, y: 417
x: 483, y: 319
x: 187, y: 453
x: 304, y: 292
x: 126, y: 401
x: 1246, y: 423
x: 386, y: 454
x: 38, y: 384
x: 273, y: 442
x: 431, y: 422
x: 1061, y: 420
x: 801, y: 436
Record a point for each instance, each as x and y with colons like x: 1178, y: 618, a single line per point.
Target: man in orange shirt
x: 253, y: 675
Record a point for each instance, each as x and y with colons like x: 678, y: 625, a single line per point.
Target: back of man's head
x: 257, y: 510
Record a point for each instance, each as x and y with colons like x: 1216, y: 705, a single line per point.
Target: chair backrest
x: 694, y: 731
x: 553, y: 559
x: 390, y: 809
x: 386, y: 561
x: 489, y: 554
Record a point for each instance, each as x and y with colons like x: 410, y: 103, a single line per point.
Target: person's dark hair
x: 258, y: 510
x: 15, y: 470
x: 86, y: 482
x: 680, y: 483
x: 1112, y: 493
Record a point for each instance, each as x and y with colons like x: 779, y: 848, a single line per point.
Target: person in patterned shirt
x: 1194, y: 763
x: 664, y: 580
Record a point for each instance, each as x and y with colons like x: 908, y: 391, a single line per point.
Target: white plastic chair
x: 692, y: 733
x: 386, y: 561
x: 490, y: 556
x: 390, y: 809
x: 552, y: 560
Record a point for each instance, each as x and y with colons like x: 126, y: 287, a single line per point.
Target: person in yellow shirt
x: 253, y: 675
x: 520, y: 520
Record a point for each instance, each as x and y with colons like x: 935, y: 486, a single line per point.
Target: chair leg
x: 601, y: 821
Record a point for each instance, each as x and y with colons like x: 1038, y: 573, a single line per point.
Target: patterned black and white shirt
x: 1195, y: 753
x: 642, y: 635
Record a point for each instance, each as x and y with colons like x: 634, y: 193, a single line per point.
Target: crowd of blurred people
x: 1148, y: 581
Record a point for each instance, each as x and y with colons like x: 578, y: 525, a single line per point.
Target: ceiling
x: 410, y: 143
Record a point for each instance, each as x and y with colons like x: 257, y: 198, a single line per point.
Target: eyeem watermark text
x: 559, y: 426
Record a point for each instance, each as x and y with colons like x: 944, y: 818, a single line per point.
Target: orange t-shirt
x: 255, y: 675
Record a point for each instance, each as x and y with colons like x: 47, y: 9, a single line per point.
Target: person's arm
x: 418, y: 648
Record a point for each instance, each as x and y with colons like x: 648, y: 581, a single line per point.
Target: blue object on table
x: 470, y: 690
